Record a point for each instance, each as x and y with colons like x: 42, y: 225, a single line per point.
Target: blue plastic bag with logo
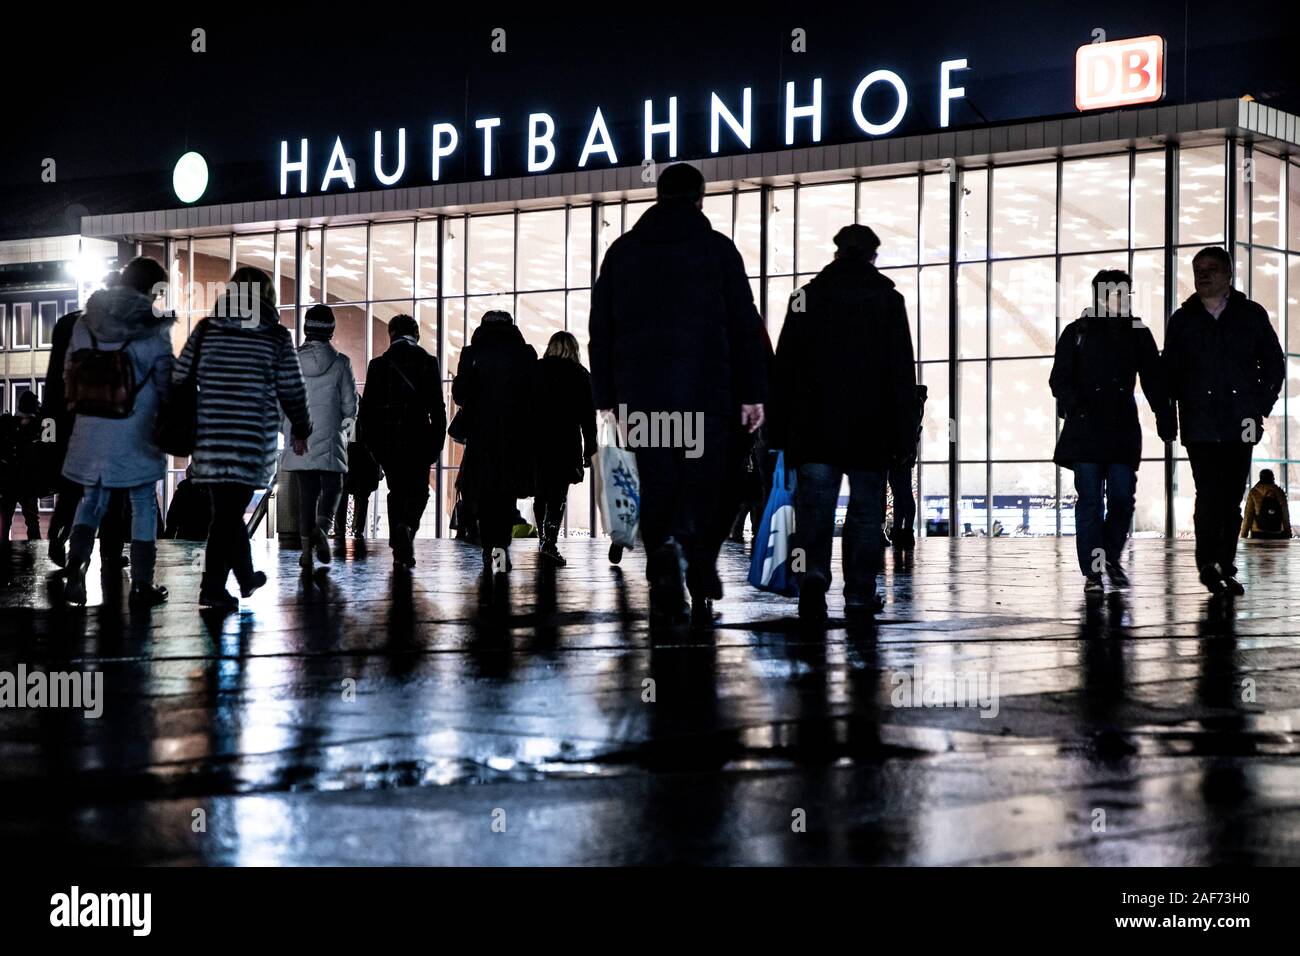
x: 769, y: 570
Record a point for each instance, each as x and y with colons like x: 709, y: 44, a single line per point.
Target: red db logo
x: 1119, y: 73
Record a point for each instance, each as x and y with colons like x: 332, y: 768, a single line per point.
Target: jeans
x: 227, y: 548
x: 1221, y: 471
x: 318, y: 497
x: 96, y: 500
x: 816, y: 495
x: 1103, y: 513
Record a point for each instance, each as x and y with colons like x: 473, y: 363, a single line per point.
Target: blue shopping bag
x: 769, y: 570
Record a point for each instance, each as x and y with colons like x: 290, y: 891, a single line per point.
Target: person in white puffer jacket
x: 332, y: 400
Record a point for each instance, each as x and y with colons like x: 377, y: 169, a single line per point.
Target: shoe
x: 74, y: 585
x: 58, y: 552
x: 218, y: 601
x: 322, y: 546
x: 305, y: 559
x: 812, y: 601
x: 702, y: 612
x: 256, y: 581
x: 615, y: 553
x: 666, y: 570
x: 1092, y: 585
x: 1213, y: 580
x: 552, y: 553
x: 1233, y: 586
x: 1115, y: 572
x: 903, y: 539
x: 859, y: 610
x: 149, y: 595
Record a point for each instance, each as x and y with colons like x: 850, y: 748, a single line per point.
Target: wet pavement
x: 992, y: 715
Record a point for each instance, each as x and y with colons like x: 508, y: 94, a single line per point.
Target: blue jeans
x: 1103, y: 513
x: 144, y: 509
x: 816, y: 495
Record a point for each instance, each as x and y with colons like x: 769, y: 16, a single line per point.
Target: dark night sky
x: 115, y: 107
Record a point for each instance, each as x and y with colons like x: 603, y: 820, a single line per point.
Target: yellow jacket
x: 1255, y: 502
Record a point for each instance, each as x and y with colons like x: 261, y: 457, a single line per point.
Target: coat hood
x: 496, y: 335
x: 316, y: 358
x: 123, y: 315
x: 851, y: 277
x: 671, y: 221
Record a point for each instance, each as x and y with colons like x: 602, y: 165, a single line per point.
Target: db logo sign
x: 1119, y: 73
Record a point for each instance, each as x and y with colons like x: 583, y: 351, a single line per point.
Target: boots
x: 550, y: 550
x: 144, y: 593
x: 666, y: 569
x: 305, y: 559
x: 81, y: 544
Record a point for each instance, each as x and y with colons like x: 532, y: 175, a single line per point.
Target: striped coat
x: 246, y: 378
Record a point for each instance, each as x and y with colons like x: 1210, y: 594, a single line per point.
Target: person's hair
x: 143, y: 274
x: 563, y: 345
x: 403, y: 324
x: 680, y: 181
x: 1218, y: 254
x: 250, y: 292
x: 1103, y: 282
x: 1266, y: 476
x: 497, y: 315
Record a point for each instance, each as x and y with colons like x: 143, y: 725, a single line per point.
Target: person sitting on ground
x: 1268, y: 516
x: 190, y: 511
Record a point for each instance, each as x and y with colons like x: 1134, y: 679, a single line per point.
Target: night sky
x: 116, y: 104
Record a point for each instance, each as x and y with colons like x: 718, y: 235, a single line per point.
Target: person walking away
x: 844, y: 403
x: 20, y: 446
x: 248, y: 376
x: 495, y: 386
x: 1268, y: 515
x: 332, y: 404
x: 675, y: 337
x: 403, y: 422
x: 566, y: 435
x: 364, y: 475
x: 1225, y: 368
x: 117, y: 374
x: 1099, y: 358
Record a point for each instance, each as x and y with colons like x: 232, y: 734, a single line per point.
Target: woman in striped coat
x: 248, y: 373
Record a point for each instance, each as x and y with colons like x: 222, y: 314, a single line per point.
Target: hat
x: 318, y: 324
x: 857, y: 240
x: 680, y: 181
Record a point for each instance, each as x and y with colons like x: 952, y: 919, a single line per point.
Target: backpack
x: 1269, y: 517
x: 101, y: 382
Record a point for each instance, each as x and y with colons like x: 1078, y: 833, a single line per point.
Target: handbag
x: 770, y: 570
x: 177, y: 427
x: 458, y: 430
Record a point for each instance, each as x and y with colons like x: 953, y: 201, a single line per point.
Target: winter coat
x: 566, y: 422
x: 332, y: 402
x: 844, y: 387
x: 1225, y: 373
x: 1256, y: 509
x: 248, y: 377
x: 673, y: 325
x: 120, y: 452
x: 403, y: 417
x: 54, y: 405
x: 1098, y: 361
x: 495, y: 385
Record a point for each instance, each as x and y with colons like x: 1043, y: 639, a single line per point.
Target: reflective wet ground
x: 993, y: 715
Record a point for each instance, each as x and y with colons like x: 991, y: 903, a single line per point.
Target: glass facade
x: 1029, y: 238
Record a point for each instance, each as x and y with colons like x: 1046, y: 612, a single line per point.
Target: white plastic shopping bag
x: 618, y: 488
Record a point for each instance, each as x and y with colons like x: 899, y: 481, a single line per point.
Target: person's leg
x: 900, y: 485
x: 863, y: 552
x: 7, y: 506
x: 1203, y: 462
x: 331, y: 493
x: 1234, y: 482
x: 32, y: 517
x: 1121, y: 498
x: 816, y: 493
x: 65, y: 506
x: 216, y: 551
x: 81, y: 542
x: 228, y: 548
x: 309, y: 493
x: 1089, y: 538
x: 341, y: 518
x: 698, y: 528
x: 360, y: 510
x: 144, y: 545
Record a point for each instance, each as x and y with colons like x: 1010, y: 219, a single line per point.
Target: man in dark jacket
x: 1098, y: 360
x: 844, y: 402
x: 1224, y: 365
x: 20, y: 442
x: 403, y: 422
x: 675, y: 339
x: 494, y: 386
